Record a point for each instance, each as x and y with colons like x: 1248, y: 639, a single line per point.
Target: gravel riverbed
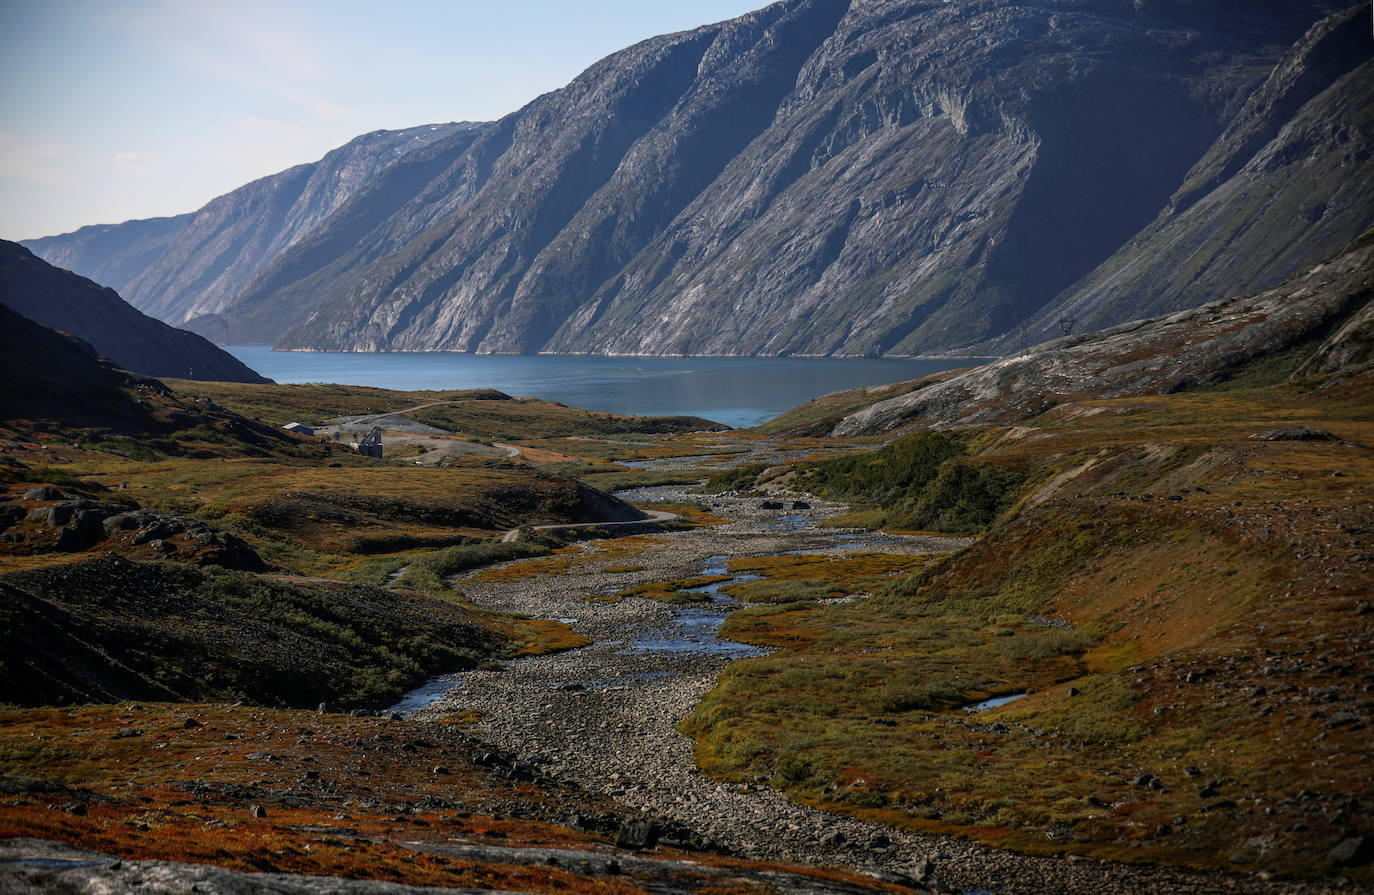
x: 605, y: 716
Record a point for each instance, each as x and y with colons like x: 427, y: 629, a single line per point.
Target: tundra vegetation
x: 336, y: 593
x: 1178, y: 584
x: 345, y: 551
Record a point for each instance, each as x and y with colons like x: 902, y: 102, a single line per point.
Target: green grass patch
x: 927, y: 481
x: 680, y: 590
x: 790, y: 591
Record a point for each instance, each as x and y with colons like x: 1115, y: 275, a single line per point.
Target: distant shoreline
x: 809, y: 357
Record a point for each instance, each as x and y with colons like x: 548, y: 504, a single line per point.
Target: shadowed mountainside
x: 60, y: 380
x: 61, y: 300
x: 1287, y: 184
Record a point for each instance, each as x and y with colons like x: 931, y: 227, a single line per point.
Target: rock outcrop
x: 61, y: 300
x: 1158, y: 355
x: 831, y: 177
x: 72, y: 522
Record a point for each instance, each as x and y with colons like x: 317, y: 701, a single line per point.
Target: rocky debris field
x: 45, y: 519
x: 155, y: 793
x: 606, y: 716
x: 37, y: 866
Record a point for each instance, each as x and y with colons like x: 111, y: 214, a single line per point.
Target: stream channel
x: 692, y: 629
x: 605, y: 715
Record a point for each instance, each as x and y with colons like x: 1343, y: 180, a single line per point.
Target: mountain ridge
x: 199, y: 261
x: 825, y: 177
x: 1325, y: 313
x: 61, y: 300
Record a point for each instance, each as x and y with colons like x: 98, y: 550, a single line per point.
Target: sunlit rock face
x: 192, y: 265
x: 842, y: 177
x: 1330, y: 306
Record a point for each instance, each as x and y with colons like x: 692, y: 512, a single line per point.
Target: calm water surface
x: 738, y: 391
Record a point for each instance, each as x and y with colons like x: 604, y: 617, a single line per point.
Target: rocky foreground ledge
x: 42, y: 866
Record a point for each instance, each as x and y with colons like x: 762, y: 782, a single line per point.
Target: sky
x: 113, y: 110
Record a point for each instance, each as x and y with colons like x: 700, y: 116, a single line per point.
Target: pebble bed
x: 605, y: 716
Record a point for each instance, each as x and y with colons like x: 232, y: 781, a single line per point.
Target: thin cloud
x: 130, y: 157
x: 36, y: 161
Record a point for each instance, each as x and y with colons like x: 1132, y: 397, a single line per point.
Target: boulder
x: 1352, y: 852
x: 637, y: 835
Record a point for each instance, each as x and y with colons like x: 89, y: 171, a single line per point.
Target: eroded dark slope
x: 61, y: 300
x: 108, y: 629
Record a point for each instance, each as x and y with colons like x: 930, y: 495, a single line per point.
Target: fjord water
x: 737, y: 391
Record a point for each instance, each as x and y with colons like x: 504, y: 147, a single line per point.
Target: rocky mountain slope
x: 61, y: 300
x: 193, y: 264
x: 833, y: 177
x: 1325, y: 310
x: 1286, y: 184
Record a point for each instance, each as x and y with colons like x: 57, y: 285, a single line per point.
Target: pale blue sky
x: 112, y: 110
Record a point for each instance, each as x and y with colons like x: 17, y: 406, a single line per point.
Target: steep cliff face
x: 1290, y: 181
x: 195, y: 264
x: 61, y: 300
x: 1329, y: 305
x: 824, y: 177
x: 819, y: 177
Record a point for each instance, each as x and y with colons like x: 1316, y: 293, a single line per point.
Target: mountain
x: 57, y: 388
x: 1288, y: 182
x: 193, y: 264
x: 849, y: 177
x: 112, y: 254
x: 61, y: 300
x: 1320, y: 322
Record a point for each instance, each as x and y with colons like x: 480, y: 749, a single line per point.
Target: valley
x: 857, y: 446
x: 780, y: 671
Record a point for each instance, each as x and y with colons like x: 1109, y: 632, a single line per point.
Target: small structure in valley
x: 299, y: 429
x: 371, y: 444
